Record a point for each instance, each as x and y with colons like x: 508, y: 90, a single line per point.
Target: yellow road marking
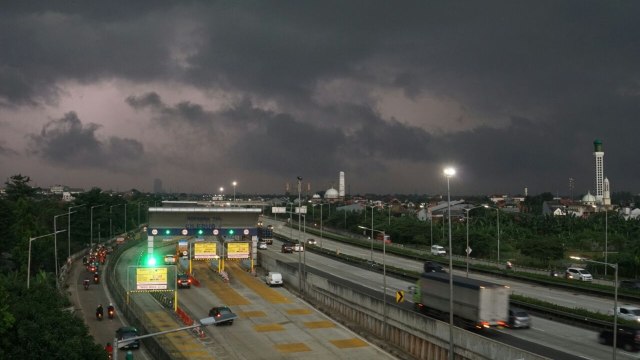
x: 268, y: 327
x: 270, y: 295
x: 251, y: 314
x: 293, y: 347
x: 298, y: 311
x: 222, y: 290
x: 348, y: 343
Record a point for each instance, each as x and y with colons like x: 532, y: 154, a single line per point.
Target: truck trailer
x: 476, y: 304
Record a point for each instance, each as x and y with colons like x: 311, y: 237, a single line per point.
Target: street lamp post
x: 234, y: 190
x: 299, y: 242
x: 55, y: 241
x: 91, y: 222
x: 321, y: 205
x: 615, y: 300
x: 606, y: 240
x: 468, y: 249
x: 125, y: 218
x: 69, y: 229
x: 449, y: 172
x: 365, y: 210
x: 29, y: 261
x: 384, y: 281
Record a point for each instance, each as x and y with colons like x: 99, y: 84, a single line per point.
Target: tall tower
x: 606, y: 194
x: 598, y: 154
x: 341, y: 185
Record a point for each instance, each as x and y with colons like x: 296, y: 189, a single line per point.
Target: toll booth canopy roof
x: 206, y: 209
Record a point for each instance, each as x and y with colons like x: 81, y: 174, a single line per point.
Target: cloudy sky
x: 201, y: 93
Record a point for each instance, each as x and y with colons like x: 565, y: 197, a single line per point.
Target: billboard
x: 205, y: 250
x: 238, y: 250
x: 151, y: 278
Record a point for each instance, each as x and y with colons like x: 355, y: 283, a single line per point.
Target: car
x: 273, y: 278
x: 298, y: 247
x: 432, y: 266
x: 223, y: 315
x: 287, y: 248
x: 630, y: 284
x: 577, y: 273
x: 629, y: 312
x: 262, y: 245
x: 438, y: 250
x: 518, y: 319
x: 628, y: 337
x: 311, y: 241
x: 169, y: 259
x: 184, y: 281
x: 127, y: 332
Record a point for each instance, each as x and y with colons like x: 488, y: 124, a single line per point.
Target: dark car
x: 223, y: 315
x: 287, y: 248
x: 630, y: 284
x: 519, y: 319
x: 184, y: 281
x: 127, y: 332
x: 432, y: 266
x: 628, y: 337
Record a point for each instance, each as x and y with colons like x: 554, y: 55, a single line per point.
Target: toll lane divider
x: 184, y: 317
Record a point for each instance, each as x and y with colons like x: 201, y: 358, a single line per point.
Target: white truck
x: 476, y: 304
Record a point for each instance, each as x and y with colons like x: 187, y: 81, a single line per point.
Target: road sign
x: 399, y: 296
x: 468, y: 250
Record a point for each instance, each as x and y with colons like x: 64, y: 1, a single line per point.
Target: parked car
x: 223, y: 315
x: 287, y: 248
x: 628, y: 337
x: 273, y: 278
x: 578, y: 274
x: 630, y: 284
x: 262, y: 245
x: 127, y: 332
x: 519, y: 319
x: 438, y: 250
x: 311, y: 241
x: 629, y: 312
x: 184, y: 281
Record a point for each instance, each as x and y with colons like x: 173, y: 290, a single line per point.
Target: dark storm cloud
x: 66, y: 142
x: 543, y: 78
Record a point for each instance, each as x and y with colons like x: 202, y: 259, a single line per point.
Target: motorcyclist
x: 111, y: 310
x: 96, y: 277
x: 99, y: 312
x: 86, y: 283
x: 109, y: 349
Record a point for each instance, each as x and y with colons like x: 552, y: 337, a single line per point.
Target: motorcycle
x: 99, y: 315
x: 111, y: 312
x: 85, y: 283
x: 96, y: 278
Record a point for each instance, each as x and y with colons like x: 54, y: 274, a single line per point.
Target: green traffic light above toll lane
x: 151, y: 260
x: 167, y: 232
x: 200, y: 232
x: 231, y: 231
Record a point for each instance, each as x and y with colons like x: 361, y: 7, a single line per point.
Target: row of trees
x: 45, y: 329
x: 528, y: 238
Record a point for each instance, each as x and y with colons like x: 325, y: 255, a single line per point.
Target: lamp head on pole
x: 449, y: 172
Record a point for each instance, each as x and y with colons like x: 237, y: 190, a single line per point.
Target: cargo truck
x: 476, y: 304
x: 268, y: 235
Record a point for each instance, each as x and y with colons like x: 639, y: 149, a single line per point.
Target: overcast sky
x: 198, y: 94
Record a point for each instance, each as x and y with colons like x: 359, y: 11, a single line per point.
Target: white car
x: 629, y: 312
x: 438, y: 250
x: 578, y: 274
x: 273, y: 278
x: 298, y: 247
x: 262, y: 245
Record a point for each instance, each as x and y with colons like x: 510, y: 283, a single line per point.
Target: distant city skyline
x: 200, y: 94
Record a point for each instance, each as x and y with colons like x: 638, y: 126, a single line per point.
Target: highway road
x: 578, y: 342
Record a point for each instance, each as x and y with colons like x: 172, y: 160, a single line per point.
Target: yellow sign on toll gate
x: 151, y: 278
x: 238, y: 250
x: 205, y: 250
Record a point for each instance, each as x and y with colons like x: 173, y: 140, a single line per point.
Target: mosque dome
x: 331, y: 194
x: 589, y: 199
x: 315, y: 196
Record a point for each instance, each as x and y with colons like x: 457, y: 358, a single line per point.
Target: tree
x: 18, y: 187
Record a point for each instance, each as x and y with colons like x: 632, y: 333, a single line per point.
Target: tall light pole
x: 468, y: 249
x: 91, y: 222
x: 29, y: 261
x: 300, y: 244
x: 384, y: 281
x: 606, y: 240
x: 365, y: 210
x: 321, y: 205
x: 615, y: 300
x: 55, y: 242
x: 448, y: 173
x: 69, y: 229
x: 222, y: 192
x: 234, y: 190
